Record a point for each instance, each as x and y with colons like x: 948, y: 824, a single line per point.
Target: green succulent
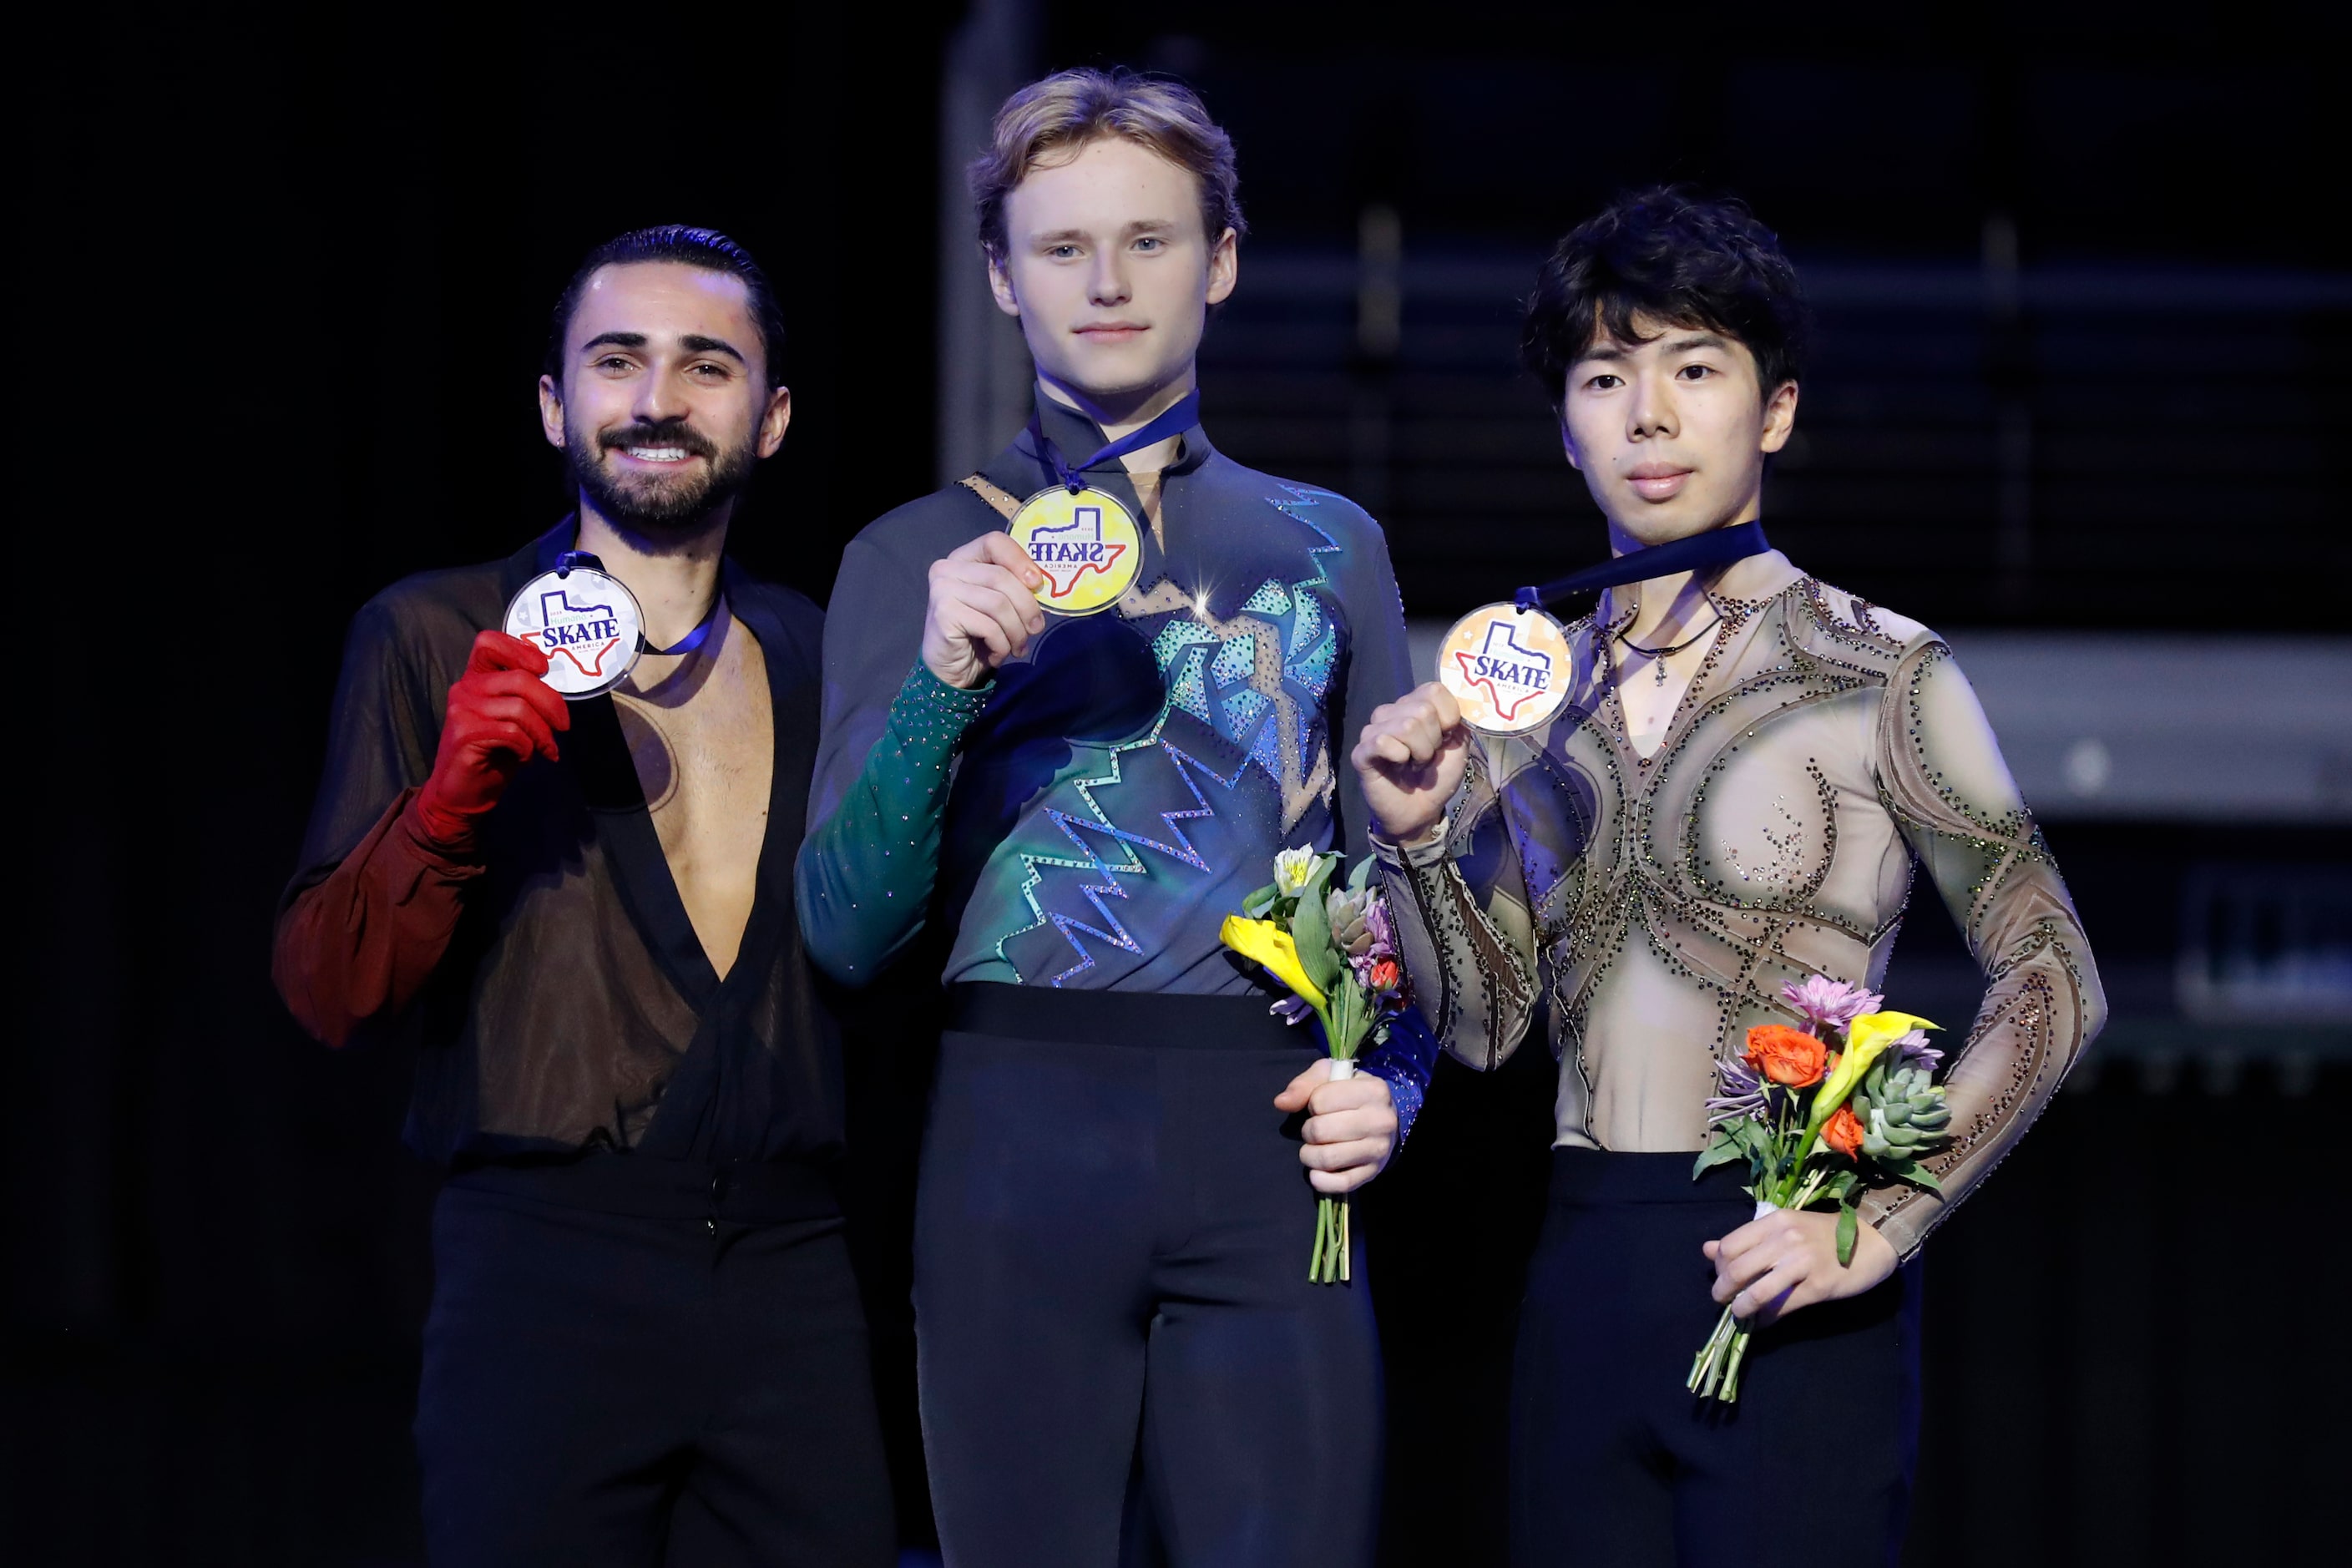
x: 1902, y: 1111
x: 1351, y: 932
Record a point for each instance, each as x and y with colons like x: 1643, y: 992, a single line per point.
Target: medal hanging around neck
x: 588, y: 625
x: 1084, y: 540
x: 1506, y: 667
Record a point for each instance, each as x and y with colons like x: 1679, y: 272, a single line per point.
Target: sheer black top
x: 573, y: 1007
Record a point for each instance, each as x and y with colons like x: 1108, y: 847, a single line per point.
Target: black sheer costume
x: 646, y: 1344
x: 573, y: 1007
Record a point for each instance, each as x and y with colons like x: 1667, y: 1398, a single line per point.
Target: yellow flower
x: 1866, y: 1039
x: 1291, y: 869
x: 1266, y: 943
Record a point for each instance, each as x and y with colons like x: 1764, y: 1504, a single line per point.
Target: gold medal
x: 1509, y: 668
x: 1085, y: 543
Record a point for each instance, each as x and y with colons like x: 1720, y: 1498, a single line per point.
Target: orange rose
x: 1787, y: 1056
x: 1386, y: 974
x: 1842, y: 1132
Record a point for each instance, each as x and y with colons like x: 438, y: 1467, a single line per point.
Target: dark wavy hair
x: 1678, y: 259
x: 704, y: 247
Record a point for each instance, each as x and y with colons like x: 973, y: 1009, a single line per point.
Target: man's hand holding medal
x: 501, y: 714
x: 1411, y: 759
x: 983, y: 610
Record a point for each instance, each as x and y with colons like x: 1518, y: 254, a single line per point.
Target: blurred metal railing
x: 1977, y: 443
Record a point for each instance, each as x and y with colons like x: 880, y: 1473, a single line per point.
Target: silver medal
x: 588, y: 625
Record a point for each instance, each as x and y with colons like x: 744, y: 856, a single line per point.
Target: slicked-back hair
x: 1675, y: 259
x: 1053, y: 121
x: 705, y: 248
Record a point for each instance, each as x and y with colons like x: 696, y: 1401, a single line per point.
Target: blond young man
x: 1113, y: 1216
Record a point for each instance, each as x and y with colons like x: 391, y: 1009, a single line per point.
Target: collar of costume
x: 1175, y: 420
x: 1719, y: 547
x: 686, y: 644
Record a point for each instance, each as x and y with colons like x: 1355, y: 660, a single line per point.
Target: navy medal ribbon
x: 686, y: 644
x: 1719, y: 547
x: 1179, y: 417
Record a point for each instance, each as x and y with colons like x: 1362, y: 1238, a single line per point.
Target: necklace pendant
x: 1661, y: 667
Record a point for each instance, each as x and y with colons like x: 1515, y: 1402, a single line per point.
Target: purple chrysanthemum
x: 1292, y: 1010
x: 1742, y: 1093
x: 1826, y: 1003
x: 1383, y: 930
x: 1913, y: 1049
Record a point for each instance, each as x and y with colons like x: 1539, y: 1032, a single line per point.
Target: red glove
x: 501, y: 716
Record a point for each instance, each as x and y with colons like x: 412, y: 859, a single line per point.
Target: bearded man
x: 646, y: 1344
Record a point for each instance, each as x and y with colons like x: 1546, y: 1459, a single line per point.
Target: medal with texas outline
x: 587, y: 624
x: 1506, y: 667
x: 1086, y: 544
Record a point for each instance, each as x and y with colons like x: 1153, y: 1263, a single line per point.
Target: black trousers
x: 1110, y: 1280
x: 645, y: 1362
x: 1613, y: 1464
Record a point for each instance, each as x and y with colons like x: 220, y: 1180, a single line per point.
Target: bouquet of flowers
x: 1816, y: 1112
x: 1335, y: 950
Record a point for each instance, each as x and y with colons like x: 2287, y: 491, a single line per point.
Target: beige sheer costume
x: 1664, y: 900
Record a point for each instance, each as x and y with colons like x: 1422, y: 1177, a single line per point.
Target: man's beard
x: 658, y: 503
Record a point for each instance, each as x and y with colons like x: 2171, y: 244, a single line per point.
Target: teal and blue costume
x: 1109, y: 1202
x: 1122, y: 789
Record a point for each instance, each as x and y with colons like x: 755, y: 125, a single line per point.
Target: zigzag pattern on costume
x: 1182, y: 851
x: 1298, y: 785
x: 1308, y: 495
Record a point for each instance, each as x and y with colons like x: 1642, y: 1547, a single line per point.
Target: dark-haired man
x: 646, y: 1344
x: 1731, y: 799
x: 1110, y: 1277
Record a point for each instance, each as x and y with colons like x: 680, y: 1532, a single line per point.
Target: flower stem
x: 1706, y: 1366
x: 1737, y: 1359
x: 1715, y: 1373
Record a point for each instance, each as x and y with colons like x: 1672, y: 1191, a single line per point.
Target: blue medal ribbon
x: 1719, y: 547
x: 686, y: 644
x: 1179, y: 417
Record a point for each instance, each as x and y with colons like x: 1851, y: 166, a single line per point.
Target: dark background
x: 282, y: 285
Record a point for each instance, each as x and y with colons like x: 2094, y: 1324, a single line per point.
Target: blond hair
x: 1051, y: 120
